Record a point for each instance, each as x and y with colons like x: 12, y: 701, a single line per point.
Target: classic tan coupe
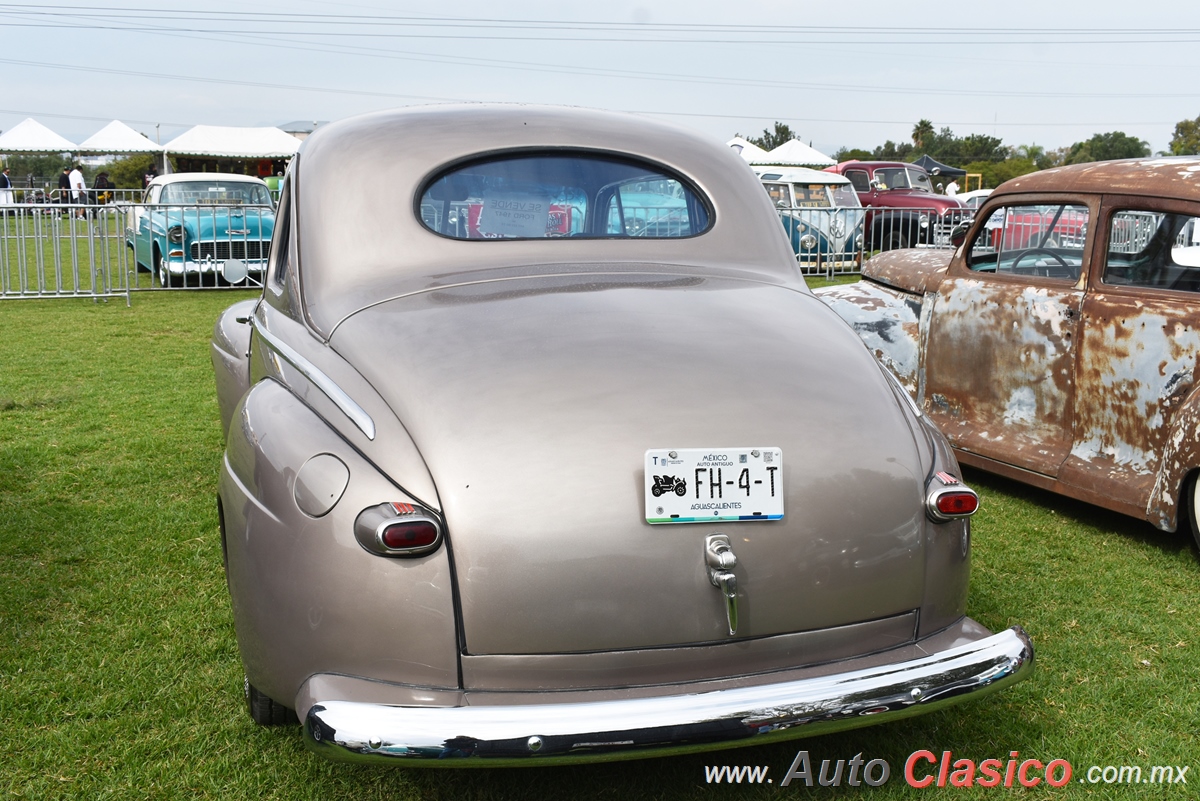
x: 539, y: 450
x: 1058, y: 345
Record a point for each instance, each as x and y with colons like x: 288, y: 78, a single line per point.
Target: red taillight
x: 413, y: 534
x: 957, y: 504
x: 949, y: 499
x: 399, y: 530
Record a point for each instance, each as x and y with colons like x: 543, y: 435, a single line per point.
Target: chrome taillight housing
x: 398, y: 529
x: 948, y: 499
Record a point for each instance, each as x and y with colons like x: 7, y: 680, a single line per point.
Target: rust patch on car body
x: 888, y: 322
x: 913, y: 270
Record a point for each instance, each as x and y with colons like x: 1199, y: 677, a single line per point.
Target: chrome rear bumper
x: 539, y: 733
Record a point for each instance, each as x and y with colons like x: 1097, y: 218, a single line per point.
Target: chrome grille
x: 252, y: 249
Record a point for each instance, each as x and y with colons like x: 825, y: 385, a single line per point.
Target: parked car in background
x: 973, y: 199
x: 528, y: 498
x: 1059, y: 345
x: 820, y: 212
x: 902, y: 208
x: 189, y: 224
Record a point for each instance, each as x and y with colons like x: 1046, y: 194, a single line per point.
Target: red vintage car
x: 902, y: 208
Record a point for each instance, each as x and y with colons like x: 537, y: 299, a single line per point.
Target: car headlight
x: 858, y: 241
x: 924, y: 220
x: 808, y: 241
x: 175, y: 233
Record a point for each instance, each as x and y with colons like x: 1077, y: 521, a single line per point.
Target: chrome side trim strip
x: 563, y: 733
x: 356, y: 413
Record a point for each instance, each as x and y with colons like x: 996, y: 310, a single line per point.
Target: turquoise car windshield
x: 216, y: 193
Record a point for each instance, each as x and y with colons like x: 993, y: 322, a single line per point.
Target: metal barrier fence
x: 81, y: 250
x: 836, y: 241
x: 101, y: 251
x: 62, y: 251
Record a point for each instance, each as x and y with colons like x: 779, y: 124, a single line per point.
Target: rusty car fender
x: 1181, y: 458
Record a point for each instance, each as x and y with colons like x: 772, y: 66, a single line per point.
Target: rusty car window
x: 560, y: 194
x: 1153, y: 249
x: 1039, y: 240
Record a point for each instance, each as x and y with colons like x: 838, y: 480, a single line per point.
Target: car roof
x: 801, y: 174
x: 1170, y: 176
x: 358, y: 185
x: 179, y: 177
x: 878, y: 164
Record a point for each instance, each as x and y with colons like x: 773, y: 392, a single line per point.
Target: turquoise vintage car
x: 190, y: 225
x: 820, y: 212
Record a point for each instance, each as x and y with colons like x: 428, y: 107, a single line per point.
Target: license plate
x: 699, y: 485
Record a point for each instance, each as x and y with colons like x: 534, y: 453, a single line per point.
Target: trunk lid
x: 534, y: 400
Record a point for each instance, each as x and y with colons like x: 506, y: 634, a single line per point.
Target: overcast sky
x: 840, y: 73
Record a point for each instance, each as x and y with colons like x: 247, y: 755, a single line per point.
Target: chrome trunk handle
x: 720, y: 559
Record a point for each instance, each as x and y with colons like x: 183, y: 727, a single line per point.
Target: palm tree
x: 921, y: 132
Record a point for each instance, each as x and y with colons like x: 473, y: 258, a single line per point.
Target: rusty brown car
x: 523, y: 462
x: 1058, y: 344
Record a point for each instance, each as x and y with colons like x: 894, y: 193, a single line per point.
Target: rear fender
x: 1181, y: 456
x: 307, y: 597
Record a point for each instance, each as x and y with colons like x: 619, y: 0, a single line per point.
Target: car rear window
x: 542, y: 196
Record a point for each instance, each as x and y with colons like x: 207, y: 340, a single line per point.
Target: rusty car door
x: 1001, y: 338
x: 1137, y: 350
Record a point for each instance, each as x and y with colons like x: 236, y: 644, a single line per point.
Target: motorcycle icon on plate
x: 668, y: 484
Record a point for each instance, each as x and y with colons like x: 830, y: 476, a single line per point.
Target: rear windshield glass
x: 556, y: 195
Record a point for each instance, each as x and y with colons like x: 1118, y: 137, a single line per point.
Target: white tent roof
x: 117, y: 138
x: 747, y: 150
x: 238, y: 143
x: 31, y: 136
x: 796, y: 154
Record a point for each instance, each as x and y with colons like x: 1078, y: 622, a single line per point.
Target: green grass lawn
x: 120, y: 678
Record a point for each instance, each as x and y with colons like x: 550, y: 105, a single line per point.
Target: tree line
x: 124, y: 173
x: 990, y: 157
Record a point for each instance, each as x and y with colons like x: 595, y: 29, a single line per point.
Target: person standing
x: 952, y: 188
x: 64, y: 187
x: 6, y: 190
x: 78, y: 189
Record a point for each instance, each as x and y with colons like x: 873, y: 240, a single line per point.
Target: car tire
x: 656, y: 491
x: 264, y: 711
x: 160, y: 269
x: 1192, y: 499
x: 896, y: 241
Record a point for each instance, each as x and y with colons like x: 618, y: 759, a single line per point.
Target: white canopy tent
x: 30, y: 136
x: 750, y: 152
x: 795, y: 153
x: 116, y: 139
x: 236, y: 143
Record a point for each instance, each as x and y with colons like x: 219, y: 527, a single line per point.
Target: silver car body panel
x: 661, y: 358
